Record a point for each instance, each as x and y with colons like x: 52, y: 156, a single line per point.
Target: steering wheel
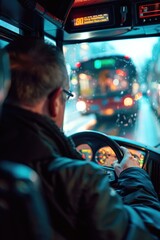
x: 97, y: 140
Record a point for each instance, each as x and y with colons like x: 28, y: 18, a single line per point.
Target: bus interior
x: 90, y: 30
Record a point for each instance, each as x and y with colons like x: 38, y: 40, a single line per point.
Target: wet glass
x: 105, y: 97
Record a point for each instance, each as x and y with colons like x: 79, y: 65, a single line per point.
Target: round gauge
x: 86, y: 151
x: 105, y: 156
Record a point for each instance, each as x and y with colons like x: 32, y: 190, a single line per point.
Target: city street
x: 145, y: 130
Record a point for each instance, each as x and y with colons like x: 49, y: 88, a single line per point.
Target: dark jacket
x: 81, y: 203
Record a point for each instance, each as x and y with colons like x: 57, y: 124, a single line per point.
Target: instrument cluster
x: 105, y: 156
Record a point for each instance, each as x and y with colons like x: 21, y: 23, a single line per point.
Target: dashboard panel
x: 96, y: 149
x: 105, y: 156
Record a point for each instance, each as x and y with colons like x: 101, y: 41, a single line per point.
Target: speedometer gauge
x: 105, y: 156
x: 86, y: 151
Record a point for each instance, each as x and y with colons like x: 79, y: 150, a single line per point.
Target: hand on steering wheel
x: 97, y: 140
x: 128, y: 161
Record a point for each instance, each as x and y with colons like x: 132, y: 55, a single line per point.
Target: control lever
x: 123, y: 11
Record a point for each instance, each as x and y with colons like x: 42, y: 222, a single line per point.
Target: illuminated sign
x: 99, y: 63
x: 92, y: 19
x: 149, y: 10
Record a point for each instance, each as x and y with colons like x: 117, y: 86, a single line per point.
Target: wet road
x: 145, y: 130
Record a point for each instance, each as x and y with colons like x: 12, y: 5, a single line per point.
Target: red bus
x: 108, y: 86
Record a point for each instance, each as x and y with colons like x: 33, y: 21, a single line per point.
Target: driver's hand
x: 128, y: 161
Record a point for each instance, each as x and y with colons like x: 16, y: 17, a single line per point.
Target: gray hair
x: 37, y: 69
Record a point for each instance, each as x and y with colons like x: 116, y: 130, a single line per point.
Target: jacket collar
x: 44, y: 127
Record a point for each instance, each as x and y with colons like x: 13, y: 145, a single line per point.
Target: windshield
x: 116, y: 86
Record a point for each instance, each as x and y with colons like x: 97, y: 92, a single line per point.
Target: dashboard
x: 105, y: 156
x: 102, y: 149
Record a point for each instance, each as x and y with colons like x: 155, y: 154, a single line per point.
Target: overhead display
x: 92, y: 19
x: 148, y: 13
x: 149, y: 10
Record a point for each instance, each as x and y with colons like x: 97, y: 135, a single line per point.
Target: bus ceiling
x: 83, y: 20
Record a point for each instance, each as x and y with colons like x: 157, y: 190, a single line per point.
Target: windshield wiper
x: 158, y: 145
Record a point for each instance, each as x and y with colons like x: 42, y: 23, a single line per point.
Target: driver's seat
x: 23, y: 215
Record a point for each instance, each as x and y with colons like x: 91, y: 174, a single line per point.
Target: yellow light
x: 83, y: 76
x: 128, y: 101
x: 138, y: 96
x: 108, y: 111
x: 74, y: 81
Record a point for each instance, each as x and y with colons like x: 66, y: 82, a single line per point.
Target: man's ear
x: 54, y: 102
